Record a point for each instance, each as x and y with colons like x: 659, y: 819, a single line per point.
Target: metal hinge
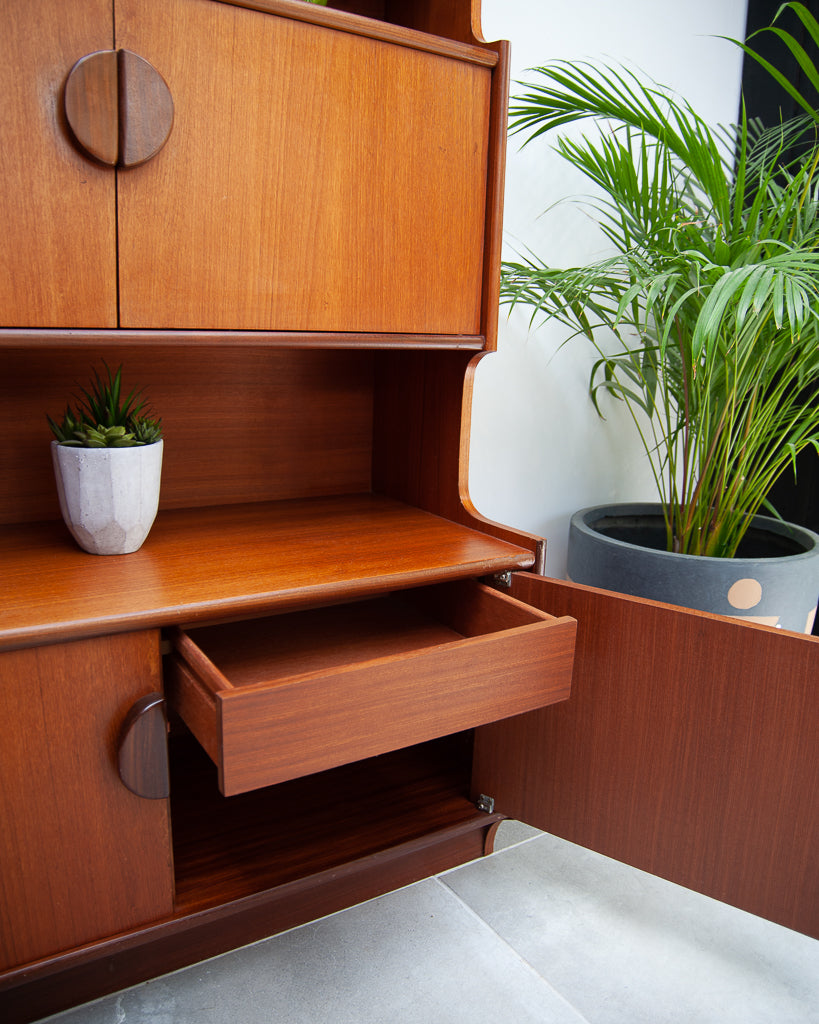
x: 485, y: 803
x: 500, y: 579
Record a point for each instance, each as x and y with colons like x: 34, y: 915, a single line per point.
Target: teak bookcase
x: 325, y: 674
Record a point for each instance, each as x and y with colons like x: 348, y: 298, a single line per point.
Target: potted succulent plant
x: 107, y: 457
x: 704, y: 320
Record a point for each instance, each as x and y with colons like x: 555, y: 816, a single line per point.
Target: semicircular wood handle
x: 142, y: 748
x: 119, y: 107
x: 145, y: 110
x: 92, y: 105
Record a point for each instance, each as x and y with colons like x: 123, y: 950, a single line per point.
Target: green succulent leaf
x: 103, y: 418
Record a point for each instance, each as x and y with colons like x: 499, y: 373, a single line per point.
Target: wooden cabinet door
x: 688, y: 748
x: 81, y: 857
x: 314, y: 179
x: 58, y: 257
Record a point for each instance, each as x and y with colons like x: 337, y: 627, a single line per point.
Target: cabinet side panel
x: 81, y: 857
x: 687, y: 749
x: 421, y: 415
x: 58, y: 258
x: 496, y: 181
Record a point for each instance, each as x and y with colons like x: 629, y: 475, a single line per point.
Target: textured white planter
x: 108, y: 496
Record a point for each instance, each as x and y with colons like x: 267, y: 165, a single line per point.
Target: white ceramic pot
x: 108, y: 496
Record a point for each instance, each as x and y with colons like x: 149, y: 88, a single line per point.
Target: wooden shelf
x: 227, y: 849
x: 234, y: 561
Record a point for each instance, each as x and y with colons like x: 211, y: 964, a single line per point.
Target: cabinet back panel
x: 367, y: 8
x: 240, y: 424
x: 452, y: 20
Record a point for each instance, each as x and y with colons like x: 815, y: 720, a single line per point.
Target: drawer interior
x: 280, y: 648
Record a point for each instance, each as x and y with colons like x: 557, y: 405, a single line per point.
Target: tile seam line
x: 439, y: 879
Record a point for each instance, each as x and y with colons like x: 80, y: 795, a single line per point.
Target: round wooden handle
x: 92, y: 105
x: 145, y: 110
x: 119, y: 107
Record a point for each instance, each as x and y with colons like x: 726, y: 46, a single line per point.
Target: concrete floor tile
x: 510, y: 833
x: 624, y: 946
x: 417, y: 956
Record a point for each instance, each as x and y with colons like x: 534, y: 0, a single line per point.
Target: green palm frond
x: 705, y: 319
x: 796, y: 50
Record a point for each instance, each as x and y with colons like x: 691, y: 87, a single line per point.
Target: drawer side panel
x: 195, y: 704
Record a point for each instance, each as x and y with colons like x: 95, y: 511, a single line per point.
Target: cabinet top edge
x: 384, y: 31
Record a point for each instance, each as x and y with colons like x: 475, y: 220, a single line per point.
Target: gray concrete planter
x: 774, y: 580
x: 108, y: 496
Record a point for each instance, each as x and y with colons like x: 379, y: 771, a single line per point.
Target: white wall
x: 538, y: 450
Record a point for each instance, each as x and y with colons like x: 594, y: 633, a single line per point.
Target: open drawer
x: 274, y: 698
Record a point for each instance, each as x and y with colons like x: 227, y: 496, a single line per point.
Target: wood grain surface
x: 240, y: 424
x: 233, y: 561
x: 687, y: 748
x: 58, y: 258
x: 82, y: 857
x: 273, y: 699
x: 314, y: 179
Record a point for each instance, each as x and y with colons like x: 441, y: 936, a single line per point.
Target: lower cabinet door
x: 687, y: 748
x: 81, y: 856
x: 275, y: 698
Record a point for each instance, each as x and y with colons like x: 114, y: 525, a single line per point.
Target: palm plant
x: 705, y: 319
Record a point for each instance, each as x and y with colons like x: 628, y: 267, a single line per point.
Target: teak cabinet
x: 288, y: 193
x: 324, y: 675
